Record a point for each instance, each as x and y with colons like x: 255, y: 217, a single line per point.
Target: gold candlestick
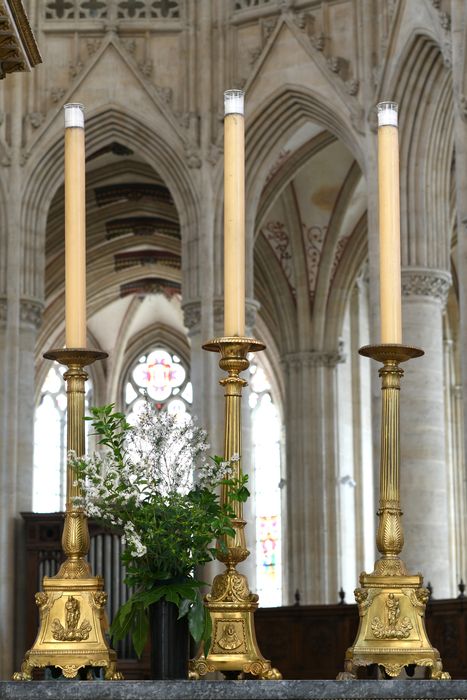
x: 72, y: 623
x: 231, y: 604
x: 391, y: 602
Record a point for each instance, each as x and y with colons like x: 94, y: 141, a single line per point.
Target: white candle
x: 75, y: 228
x: 389, y: 224
x: 234, y: 214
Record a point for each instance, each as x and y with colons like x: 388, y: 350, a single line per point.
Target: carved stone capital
x: 251, y: 309
x: 30, y: 313
x: 425, y: 282
x: 315, y: 358
x: 192, y: 316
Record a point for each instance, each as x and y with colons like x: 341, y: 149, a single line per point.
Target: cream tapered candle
x: 234, y: 214
x: 389, y: 223
x: 75, y: 228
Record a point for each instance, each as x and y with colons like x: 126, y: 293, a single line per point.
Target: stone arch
x: 45, y: 174
x: 426, y: 147
x: 349, y: 267
x: 273, y: 292
x: 324, y: 282
x: 266, y: 130
x: 286, y: 109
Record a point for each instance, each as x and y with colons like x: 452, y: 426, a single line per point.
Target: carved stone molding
x: 192, y: 156
x: 421, y: 282
x: 30, y: 313
x: 192, y: 316
x: 18, y: 48
x: 251, y: 309
x: 462, y: 105
x: 3, y: 310
x: 315, y: 358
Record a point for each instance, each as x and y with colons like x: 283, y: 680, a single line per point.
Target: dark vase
x: 170, y: 642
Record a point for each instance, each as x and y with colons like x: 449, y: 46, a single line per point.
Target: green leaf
x: 184, y: 607
x: 152, y: 596
x: 122, y: 620
x: 172, y: 596
x: 196, y: 619
x: 139, y: 630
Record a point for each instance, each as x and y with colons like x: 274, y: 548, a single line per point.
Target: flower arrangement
x: 153, y: 482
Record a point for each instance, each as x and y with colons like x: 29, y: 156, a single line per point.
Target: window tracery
x: 266, y: 452
x: 99, y: 9
x: 247, y: 4
x: 50, y: 426
x: 161, y: 376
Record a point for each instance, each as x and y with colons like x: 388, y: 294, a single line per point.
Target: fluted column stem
x: 390, y: 535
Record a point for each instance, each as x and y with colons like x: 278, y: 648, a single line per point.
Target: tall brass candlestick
x: 72, y: 630
x: 231, y: 604
x: 391, y: 601
x: 73, y: 625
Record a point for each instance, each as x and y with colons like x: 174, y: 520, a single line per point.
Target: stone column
x: 18, y: 328
x: 459, y: 84
x: 424, y: 478
x: 455, y: 460
x: 311, y: 536
x: 362, y: 429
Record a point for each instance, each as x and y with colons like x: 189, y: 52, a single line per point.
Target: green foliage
x: 168, y: 533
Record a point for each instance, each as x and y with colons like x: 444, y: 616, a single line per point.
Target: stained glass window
x: 267, y: 450
x: 49, y: 477
x: 160, y: 376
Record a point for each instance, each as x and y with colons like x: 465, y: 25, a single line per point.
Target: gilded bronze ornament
x: 231, y: 604
x: 73, y: 623
x: 391, y: 602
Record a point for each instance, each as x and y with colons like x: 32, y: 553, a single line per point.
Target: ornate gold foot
x: 437, y: 672
x: 111, y: 673
x: 349, y: 674
x: 271, y: 674
x: 26, y: 671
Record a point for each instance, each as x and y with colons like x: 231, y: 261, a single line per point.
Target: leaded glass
x: 49, y: 476
x: 162, y: 377
x: 267, y: 449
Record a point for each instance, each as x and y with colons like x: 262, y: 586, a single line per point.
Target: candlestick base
x: 392, y: 631
x: 233, y: 650
x: 72, y: 629
x: 391, y: 602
